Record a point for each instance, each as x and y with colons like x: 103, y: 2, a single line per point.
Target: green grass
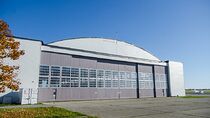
x: 207, y: 91
x: 40, y: 112
x: 194, y: 97
x: 191, y: 91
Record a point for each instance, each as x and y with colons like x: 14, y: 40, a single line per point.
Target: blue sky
x: 172, y: 30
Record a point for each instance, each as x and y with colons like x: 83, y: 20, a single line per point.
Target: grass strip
x: 194, y: 96
x: 40, y: 112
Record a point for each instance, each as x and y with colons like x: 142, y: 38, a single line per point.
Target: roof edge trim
x: 23, y: 38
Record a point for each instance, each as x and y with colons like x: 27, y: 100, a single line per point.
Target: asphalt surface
x: 141, y: 108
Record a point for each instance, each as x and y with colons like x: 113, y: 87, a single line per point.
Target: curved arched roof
x: 108, y: 46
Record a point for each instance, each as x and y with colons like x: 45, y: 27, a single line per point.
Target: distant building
x: 196, y: 91
x: 92, y: 68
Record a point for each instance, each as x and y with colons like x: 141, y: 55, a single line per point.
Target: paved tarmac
x: 142, y: 108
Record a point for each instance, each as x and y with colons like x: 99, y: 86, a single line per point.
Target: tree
x: 9, y: 50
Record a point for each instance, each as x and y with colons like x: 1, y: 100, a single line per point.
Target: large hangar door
x: 119, y: 80
x: 161, y: 81
x: 145, y: 75
x: 127, y: 80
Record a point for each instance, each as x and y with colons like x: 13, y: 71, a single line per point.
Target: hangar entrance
x: 83, y: 78
x: 86, y: 79
x: 152, y: 81
x: 145, y: 77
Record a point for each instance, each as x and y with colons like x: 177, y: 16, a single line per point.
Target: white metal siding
x: 28, y: 73
x: 108, y: 46
x: 176, y: 78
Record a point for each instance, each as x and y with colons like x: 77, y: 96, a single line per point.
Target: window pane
x: 133, y: 79
x: 66, y: 71
x: 92, y: 82
x: 55, y: 71
x: 128, y: 75
x: 74, y: 72
x: 129, y: 83
x: 157, y: 77
x: 92, y: 73
x: 115, y: 75
x: 100, y: 83
x: 151, y: 76
x: 141, y: 85
x: 100, y: 74
x: 133, y: 75
x: 163, y: 77
x: 83, y: 82
x: 115, y: 81
x: 122, y: 75
x: 55, y: 82
x: 83, y: 72
x: 108, y: 83
x: 44, y: 70
x: 65, y: 82
x: 122, y: 83
x: 133, y: 83
x: 122, y: 79
x: 163, y: 85
x: 74, y: 82
x: 151, y: 84
x: 147, y: 85
x: 161, y: 81
x: 146, y: 81
x: 108, y: 74
x: 43, y: 81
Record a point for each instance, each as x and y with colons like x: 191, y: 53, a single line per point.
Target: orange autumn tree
x: 9, y: 50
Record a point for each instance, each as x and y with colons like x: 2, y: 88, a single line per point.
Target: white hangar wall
x: 28, y: 74
x: 176, y: 78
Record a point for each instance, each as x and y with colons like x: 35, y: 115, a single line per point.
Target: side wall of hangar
x: 92, y: 68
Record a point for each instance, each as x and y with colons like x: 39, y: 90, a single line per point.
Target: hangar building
x: 92, y: 68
